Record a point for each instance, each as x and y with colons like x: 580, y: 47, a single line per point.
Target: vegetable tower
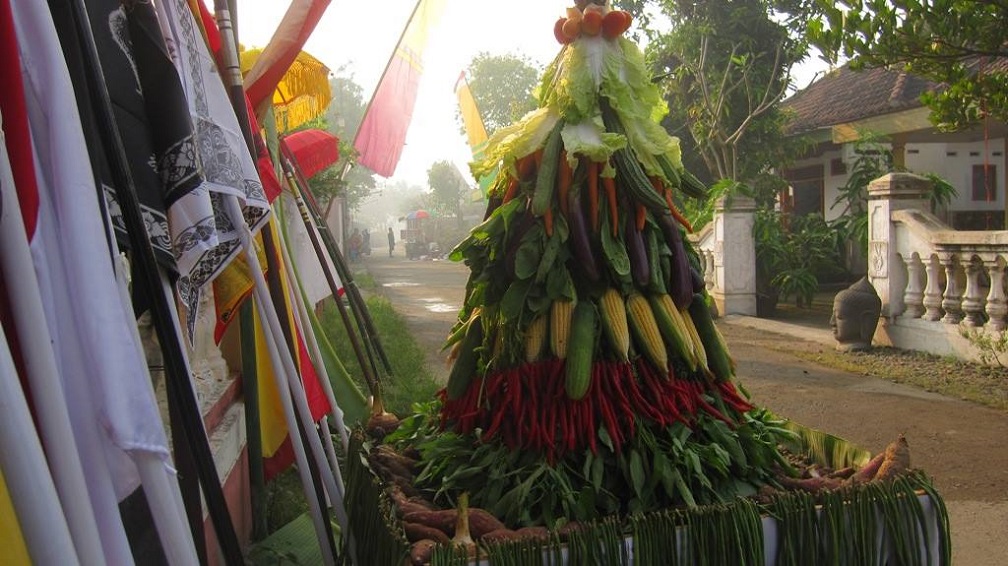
x: 585, y: 356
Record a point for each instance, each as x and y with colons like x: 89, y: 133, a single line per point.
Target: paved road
x: 428, y: 293
x: 962, y: 445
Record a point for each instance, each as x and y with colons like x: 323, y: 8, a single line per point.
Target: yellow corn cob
x: 645, y: 329
x: 560, y: 321
x: 698, y: 346
x: 679, y: 340
x: 535, y: 338
x: 614, y: 319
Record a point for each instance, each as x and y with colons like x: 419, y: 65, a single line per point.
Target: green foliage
x: 952, y: 42
x: 658, y: 467
x: 725, y: 66
x: 411, y: 379
x: 343, y: 118
x: 873, y: 161
x: 990, y: 347
x: 448, y: 188
x: 793, y: 253
x: 502, y: 86
x: 700, y: 213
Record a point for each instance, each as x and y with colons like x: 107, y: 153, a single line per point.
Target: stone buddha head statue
x: 856, y: 312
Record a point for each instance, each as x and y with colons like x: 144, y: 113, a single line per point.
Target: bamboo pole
x: 309, y: 208
x: 316, y: 354
x: 34, y: 490
x: 281, y: 358
x: 364, y: 358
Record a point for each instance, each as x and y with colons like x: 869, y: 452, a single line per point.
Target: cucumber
x: 717, y: 353
x: 464, y: 369
x: 546, y: 176
x: 581, y: 344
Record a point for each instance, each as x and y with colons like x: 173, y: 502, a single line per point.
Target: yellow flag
x: 12, y: 542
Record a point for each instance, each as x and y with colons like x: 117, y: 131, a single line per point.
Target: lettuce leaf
x: 570, y: 88
x: 517, y: 140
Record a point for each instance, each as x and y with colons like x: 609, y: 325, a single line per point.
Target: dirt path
x: 961, y: 444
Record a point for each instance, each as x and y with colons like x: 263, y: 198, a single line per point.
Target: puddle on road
x: 435, y: 305
x: 401, y: 284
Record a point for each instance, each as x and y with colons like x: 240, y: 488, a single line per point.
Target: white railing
x: 933, y: 281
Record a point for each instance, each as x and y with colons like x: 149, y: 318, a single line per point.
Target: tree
x: 447, y: 188
x: 343, y: 116
x: 502, y: 86
x: 726, y: 65
x: 957, y: 43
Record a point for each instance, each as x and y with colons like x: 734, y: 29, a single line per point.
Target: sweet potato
x: 843, y: 473
x: 443, y: 520
x: 897, y: 460
x: 500, y: 535
x: 567, y: 528
x: 420, y: 552
x: 398, y: 465
x: 416, y: 532
x: 482, y: 522
x: 811, y: 485
x: 408, y: 504
x: 868, y: 471
x: 534, y: 533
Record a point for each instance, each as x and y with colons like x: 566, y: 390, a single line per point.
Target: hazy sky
x: 361, y: 36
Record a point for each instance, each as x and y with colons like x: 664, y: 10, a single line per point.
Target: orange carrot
x: 565, y: 176
x: 548, y: 221
x: 657, y: 185
x: 525, y: 165
x: 593, y: 204
x: 641, y: 216
x: 512, y: 190
x: 609, y: 185
x: 676, y: 214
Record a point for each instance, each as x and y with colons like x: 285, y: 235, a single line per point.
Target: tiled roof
x: 844, y: 96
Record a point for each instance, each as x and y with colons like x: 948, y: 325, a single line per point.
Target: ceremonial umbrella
x: 302, y: 93
x: 313, y: 150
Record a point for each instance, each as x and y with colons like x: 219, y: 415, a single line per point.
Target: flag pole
x: 180, y: 391
x: 370, y: 375
x: 63, y: 530
x: 298, y: 412
x: 295, y: 181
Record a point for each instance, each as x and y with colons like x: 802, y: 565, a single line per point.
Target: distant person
x: 355, y: 244
x: 391, y: 241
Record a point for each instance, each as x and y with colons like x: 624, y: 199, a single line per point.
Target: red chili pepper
x: 712, y: 410
x: 612, y: 427
x: 731, y: 396
x: 572, y: 426
x: 592, y: 429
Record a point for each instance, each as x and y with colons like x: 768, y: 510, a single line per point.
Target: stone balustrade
x: 933, y: 280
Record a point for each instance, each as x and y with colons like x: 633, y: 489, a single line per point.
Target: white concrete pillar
x: 891, y: 192
x: 734, y: 289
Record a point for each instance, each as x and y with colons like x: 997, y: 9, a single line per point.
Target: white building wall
x: 952, y: 161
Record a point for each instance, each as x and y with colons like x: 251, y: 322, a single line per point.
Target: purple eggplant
x: 639, y: 267
x: 681, y: 283
x: 579, y: 240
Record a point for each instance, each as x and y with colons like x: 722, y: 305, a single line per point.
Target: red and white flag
x: 382, y: 134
